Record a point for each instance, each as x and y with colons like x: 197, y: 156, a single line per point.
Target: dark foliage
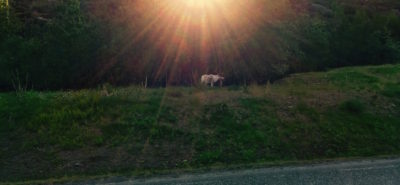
x: 80, y: 44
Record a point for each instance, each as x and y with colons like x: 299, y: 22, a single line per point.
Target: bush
x: 342, y: 40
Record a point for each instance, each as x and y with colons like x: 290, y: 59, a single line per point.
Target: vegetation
x: 53, y: 45
x: 82, y: 83
x: 348, y: 112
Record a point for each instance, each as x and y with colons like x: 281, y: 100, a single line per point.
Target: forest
x: 75, y: 44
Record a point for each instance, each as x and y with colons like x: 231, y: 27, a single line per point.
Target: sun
x: 195, y: 4
x: 199, y: 8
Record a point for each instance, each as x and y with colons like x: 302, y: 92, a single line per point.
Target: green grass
x: 349, y: 112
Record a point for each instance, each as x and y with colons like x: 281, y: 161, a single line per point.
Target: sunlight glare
x: 202, y: 33
x: 195, y: 4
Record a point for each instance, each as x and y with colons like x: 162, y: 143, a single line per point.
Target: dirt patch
x: 136, y: 156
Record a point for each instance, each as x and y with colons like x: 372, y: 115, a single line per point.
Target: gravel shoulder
x: 380, y: 171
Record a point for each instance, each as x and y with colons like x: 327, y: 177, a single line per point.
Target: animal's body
x: 211, y: 79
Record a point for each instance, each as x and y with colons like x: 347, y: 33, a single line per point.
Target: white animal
x: 211, y: 79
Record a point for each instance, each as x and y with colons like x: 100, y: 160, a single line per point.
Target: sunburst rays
x: 203, y: 33
x: 204, y: 28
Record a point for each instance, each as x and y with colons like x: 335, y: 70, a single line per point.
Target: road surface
x: 371, y: 172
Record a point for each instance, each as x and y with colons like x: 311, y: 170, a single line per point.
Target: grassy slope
x: 342, y: 113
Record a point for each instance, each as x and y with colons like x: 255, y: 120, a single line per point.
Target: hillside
x: 347, y: 112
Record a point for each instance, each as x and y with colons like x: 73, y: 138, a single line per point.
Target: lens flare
x: 187, y: 38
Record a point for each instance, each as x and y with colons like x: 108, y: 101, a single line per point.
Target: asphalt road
x: 377, y: 172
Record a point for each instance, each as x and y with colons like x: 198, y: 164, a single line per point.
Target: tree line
x: 50, y: 45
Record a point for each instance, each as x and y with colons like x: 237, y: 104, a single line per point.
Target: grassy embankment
x: 349, y: 112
